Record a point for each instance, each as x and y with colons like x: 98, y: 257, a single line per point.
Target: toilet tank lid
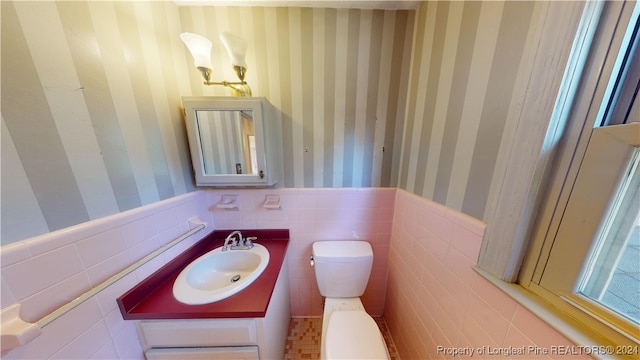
x: 342, y: 250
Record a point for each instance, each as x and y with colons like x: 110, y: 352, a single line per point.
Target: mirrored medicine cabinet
x: 234, y: 142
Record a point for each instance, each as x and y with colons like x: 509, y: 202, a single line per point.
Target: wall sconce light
x: 200, y: 48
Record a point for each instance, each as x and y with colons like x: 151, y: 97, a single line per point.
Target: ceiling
x: 352, y: 4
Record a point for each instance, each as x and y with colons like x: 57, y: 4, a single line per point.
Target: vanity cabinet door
x: 198, y: 333
x: 209, y: 353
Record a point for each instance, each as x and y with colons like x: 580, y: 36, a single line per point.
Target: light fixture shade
x: 200, y: 48
x: 236, y: 47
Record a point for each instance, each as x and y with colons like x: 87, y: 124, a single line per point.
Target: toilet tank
x: 342, y: 268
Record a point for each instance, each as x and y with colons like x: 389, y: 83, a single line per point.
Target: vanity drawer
x: 208, y: 353
x: 198, y: 332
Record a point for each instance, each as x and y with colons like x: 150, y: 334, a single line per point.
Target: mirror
x: 233, y: 141
x: 227, y: 141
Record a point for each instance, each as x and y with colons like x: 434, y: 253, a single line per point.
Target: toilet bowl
x: 342, y: 270
x: 348, y: 332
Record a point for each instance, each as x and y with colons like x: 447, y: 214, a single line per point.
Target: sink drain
x: 235, y: 278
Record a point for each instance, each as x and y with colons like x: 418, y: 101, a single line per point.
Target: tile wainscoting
x: 436, y: 301
x: 47, y: 271
x: 314, y: 215
x: 422, y: 283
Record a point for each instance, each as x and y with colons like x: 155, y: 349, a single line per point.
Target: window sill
x: 575, y: 331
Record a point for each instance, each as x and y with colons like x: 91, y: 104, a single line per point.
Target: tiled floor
x: 303, y: 341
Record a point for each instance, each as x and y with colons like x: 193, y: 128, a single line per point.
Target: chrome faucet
x: 231, y: 239
x: 235, y: 241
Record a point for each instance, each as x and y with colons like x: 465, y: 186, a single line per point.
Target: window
x: 594, y: 230
x: 585, y: 252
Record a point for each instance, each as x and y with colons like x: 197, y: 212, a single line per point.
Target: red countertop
x: 153, y: 297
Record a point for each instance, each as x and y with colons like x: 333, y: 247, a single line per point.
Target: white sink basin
x: 219, y: 274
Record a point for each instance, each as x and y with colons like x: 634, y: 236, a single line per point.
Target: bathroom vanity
x: 251, y: 324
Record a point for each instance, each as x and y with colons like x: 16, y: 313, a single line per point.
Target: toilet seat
x: 354, y: 335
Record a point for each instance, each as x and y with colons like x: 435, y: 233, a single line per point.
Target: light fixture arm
x: 239, y: 88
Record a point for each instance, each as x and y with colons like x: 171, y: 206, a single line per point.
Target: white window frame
x: 593, y: 61
x: 559, y: 264
x: 578, y: 197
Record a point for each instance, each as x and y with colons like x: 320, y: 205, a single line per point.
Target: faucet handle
x: 249, y: 241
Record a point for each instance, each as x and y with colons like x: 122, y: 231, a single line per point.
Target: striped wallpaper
x: 472, y: 66
x: 91, y: 90
x: 91, y: 122
x: 337, y: 75
x: 424, y: 100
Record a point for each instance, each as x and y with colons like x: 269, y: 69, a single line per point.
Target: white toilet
x: 342, y: 271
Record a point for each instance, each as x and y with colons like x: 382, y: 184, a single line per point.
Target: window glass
x: 612, y: 272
